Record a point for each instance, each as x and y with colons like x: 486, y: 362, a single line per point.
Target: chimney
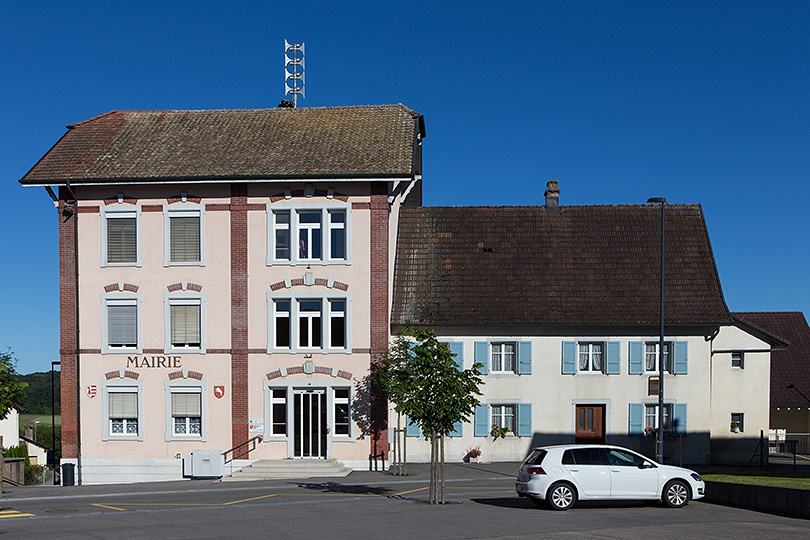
x: 552, y: 196
x: 29, y: 431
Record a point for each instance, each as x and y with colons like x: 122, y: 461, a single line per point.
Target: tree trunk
x: 431, y: 496
x: 442, y: 467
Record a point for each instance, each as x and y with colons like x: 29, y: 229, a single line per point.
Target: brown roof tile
x: 364, y: 141
x: 790, y: 365
x: 520, y: 265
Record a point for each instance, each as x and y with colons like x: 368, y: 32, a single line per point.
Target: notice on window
x: 256, y: 426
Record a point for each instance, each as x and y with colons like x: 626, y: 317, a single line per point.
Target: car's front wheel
x: 561, y: 496
x: 676, y: 494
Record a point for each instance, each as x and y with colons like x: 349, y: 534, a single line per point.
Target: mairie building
x: 229, y: 277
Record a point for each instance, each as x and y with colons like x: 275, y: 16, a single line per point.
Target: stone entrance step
x: 271, y: 469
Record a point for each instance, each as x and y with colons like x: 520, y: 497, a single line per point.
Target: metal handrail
x: 240, y: 448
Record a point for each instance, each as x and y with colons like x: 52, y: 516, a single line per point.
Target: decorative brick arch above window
x: 121, y: 287
x: 122, y: 374
x: 309, y: 280
x: 309, y: 368
x: 120, y: 198
x: 185, y: 374
x: 184, y: 198
x: 184, y: 286
x: 290, y: 193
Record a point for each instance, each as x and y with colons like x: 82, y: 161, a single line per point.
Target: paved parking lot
x: 481, y: 504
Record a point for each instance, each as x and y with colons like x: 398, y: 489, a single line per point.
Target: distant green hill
x: 38, y: 393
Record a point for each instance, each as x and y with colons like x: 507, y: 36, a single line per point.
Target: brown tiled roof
x: 364, y: 141
x: 520, y: 265
x: 789, y: 365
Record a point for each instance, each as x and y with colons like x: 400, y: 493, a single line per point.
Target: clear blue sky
x: 698, y: 102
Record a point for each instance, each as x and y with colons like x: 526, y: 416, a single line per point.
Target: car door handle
x: 619, y: 470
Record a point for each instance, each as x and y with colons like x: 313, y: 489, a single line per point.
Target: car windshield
x: 535, y: 457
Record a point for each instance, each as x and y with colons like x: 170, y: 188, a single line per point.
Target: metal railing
x: 243, y: 449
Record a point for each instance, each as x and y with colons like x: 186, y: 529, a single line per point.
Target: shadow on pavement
x: 334, y: 487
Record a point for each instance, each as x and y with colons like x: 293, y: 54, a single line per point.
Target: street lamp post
x: 659, y: 436
x: 35, y: 429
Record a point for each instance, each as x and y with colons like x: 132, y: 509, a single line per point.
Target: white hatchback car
x: 562, y: 475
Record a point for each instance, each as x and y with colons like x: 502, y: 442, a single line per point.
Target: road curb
x: 787, y: 501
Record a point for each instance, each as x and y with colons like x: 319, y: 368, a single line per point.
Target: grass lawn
x: 763, y: 478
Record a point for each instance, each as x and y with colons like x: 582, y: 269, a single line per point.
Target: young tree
x: 421, y: 378
x: 11, y: 389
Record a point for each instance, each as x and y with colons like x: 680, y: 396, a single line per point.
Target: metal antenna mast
x: 291, y: 58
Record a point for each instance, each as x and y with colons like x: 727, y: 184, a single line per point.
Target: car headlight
x: 696, y: 476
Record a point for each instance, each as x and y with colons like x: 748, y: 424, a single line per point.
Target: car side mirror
x: 646, y: 465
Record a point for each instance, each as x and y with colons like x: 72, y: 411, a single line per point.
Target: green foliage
x: 423, y: 381
x: 11, y: 389
x: 796, y: 480
x: 17, y: 451
x: 37, y: 398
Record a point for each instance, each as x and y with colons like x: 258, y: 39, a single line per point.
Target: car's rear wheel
x: 676, y: 494
x: 561, y: 496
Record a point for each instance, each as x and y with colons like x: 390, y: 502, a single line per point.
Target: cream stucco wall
x: 554, y: 396
x: 743, y: 390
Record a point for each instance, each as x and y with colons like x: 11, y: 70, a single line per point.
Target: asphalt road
x: 481, y: 504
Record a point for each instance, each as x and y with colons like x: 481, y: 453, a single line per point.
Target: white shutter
x: 122, y: 240
x: 184, y: 239
x: 123, y: 405
x: 186, y: 404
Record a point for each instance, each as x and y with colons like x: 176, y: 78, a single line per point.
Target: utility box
x: 204, y: 464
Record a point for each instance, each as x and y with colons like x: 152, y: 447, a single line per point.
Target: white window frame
x: 182, y: 210
x: 185, y: 387
x: 590, y: 352
x: 498, y: 418
x: 270, y: 422
x: 294, y: 226
x: 119, y: 299
x: 334, y: 402
x: 741, y: 416
x: 111, y: 387
x: 182, y: 299
x: 289, y: 386
x: 118, y: 212
x: 651, y: 418
x: 668, y: 345
x: 294, y: 315
x: 741, y: 363
x: 515, y: 359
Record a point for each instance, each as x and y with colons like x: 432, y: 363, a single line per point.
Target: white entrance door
x: 309, y: 423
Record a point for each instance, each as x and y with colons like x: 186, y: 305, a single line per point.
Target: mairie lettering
x: 172, y: 362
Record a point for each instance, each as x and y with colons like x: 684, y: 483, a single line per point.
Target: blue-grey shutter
x: 457, y: 348
x: 679, y: 418
x: 482, y: 356
x: 636, y: 419
x: 481, y: 427
x: 412, y: 430
x: 525, y: 358
x: 681, y: 358
x: 524, y: 428
x: 614, y: 358
x: 458, y: 429
x: 636, y: 365
x: 569, y: 357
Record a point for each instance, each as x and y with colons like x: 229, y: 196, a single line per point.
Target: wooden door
x: 590, y: 424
